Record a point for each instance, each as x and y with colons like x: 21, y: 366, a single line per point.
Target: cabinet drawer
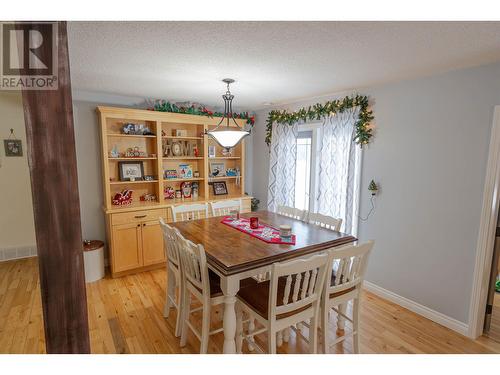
x: 137, y: 216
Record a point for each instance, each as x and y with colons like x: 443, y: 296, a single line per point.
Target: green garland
x: 199, y: 110
x: 320, y: 111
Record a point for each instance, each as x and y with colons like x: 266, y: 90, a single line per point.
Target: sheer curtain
x: 282, y: 161
x: 339, y: 170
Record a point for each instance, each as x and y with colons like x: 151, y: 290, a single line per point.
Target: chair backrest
x: 294, y: 213
x: 194, y: 264
x: 324, y: 221
x: 222, y: 208
x: 186, y: 212
x: 170, y: 242
x: 303, y: 278
x: 349, y: 266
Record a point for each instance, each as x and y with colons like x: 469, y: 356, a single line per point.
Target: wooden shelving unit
x: 134, y: 233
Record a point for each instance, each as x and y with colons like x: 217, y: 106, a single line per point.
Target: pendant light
x: 228, y: 135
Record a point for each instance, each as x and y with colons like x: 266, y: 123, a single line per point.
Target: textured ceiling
x: 272, y: 61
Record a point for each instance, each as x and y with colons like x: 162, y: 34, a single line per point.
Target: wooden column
x: 52, y: 162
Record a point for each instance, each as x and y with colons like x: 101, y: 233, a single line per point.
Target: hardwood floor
x: 125, y: 316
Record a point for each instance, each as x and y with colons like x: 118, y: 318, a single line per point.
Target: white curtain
x: 282, y: 162
x: 339, y: 170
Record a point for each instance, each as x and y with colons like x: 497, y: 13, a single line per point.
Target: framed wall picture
x: 131, y: 170
x: 217, y: 169
x: 13, y: 147
x: 211, y: 151
x: 220, y: 188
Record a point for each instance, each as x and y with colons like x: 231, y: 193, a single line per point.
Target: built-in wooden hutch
x: 133, y: 232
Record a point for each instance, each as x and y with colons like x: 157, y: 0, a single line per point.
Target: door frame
x: 487, y: 233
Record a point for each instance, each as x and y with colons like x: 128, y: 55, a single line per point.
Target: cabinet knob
x: 138, y: 225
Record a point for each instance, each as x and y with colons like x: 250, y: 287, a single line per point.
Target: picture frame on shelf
x: 170, y: 174
x: 217, y: 169
x: 211, y: 151
x: 220, y: 187
x: 185, y: 171
x: 131, y: 170
x: 180, y: 132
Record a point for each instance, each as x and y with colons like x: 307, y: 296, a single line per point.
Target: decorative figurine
x: 123, y: 198
x: 169, y: 192
x: 186, y: 189
x: 148, y: 197
x: 114, y: 152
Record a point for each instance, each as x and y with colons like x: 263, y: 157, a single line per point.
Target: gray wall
x: 429, y: 155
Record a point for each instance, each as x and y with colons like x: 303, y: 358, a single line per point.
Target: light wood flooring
x: 125, y: 316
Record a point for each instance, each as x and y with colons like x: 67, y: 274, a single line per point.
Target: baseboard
x: 17, y: 252
x: 417, y: 308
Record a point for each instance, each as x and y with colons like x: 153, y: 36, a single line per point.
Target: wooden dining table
x: 235, y: 255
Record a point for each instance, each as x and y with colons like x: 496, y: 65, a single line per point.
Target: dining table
x: 235, y: 255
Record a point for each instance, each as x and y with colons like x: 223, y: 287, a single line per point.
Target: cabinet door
x: 152, y: 243
x: 127, y: 247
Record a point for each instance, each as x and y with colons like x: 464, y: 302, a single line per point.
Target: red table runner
x: 264, y: 233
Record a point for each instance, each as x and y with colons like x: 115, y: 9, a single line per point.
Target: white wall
x: 429, y: 155
x: 17, y: 228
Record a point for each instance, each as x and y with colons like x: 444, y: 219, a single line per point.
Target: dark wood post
x: 50, y: 135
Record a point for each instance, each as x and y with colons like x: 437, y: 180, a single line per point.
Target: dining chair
x: 324, y: 221
x: 174, y: 281
x: 292, y: 295
x: 203, y: 284
x: 343, y: 285
x: 294, y: 213
x: 186, y: 212
x: 222, y: 208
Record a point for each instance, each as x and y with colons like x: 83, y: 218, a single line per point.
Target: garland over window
x: 363, y: 132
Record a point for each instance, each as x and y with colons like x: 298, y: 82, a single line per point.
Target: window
x: 303, y: 170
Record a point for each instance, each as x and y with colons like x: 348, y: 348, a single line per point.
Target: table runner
x: 264, y: 233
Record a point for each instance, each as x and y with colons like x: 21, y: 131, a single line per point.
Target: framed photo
x: 211, y: 151
x: 131, y: 170
x: 217, y: 169
x: 185, y: 171
x: 13, y: 147
x: 220, y: 188
x: 180, y: 132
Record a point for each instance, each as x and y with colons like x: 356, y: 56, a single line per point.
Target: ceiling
x: 272, y: 62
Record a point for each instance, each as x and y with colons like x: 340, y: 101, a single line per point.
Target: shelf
x: 183, y: 179
x: 131, y: 136
x: 226, y: 157
x: 140, y: 158
x: 175, y: 137
x: 132, y: 182
x: 184, y: 158
x: 222, y: 178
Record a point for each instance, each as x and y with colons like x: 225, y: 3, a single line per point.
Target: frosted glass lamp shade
x: 228, y: 138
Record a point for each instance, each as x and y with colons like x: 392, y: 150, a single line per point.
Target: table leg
x: 230, y: 286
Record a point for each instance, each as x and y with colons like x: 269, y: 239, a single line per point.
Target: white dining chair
x: 200, y: 283
x: 186, y: 212
x: 294, y: 213
x: 344, y: 282
x: 223, y: 208
x: 292, y: 295
x: 174, y: 282
x: 324, y: 221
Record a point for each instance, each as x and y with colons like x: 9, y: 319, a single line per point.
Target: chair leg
x: 239, y: 329
x: 286, y: 334
x: 186, y: 302
x: 325, y: 310
x: 169, y: 292
x: 251, y: 328
x: 271, y: 341
x: 355, y: 319
x: 205, y: 327
x: 180, y: 309
x: 313, y: 335
x: 340, y: 319
x: 279, y: 338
